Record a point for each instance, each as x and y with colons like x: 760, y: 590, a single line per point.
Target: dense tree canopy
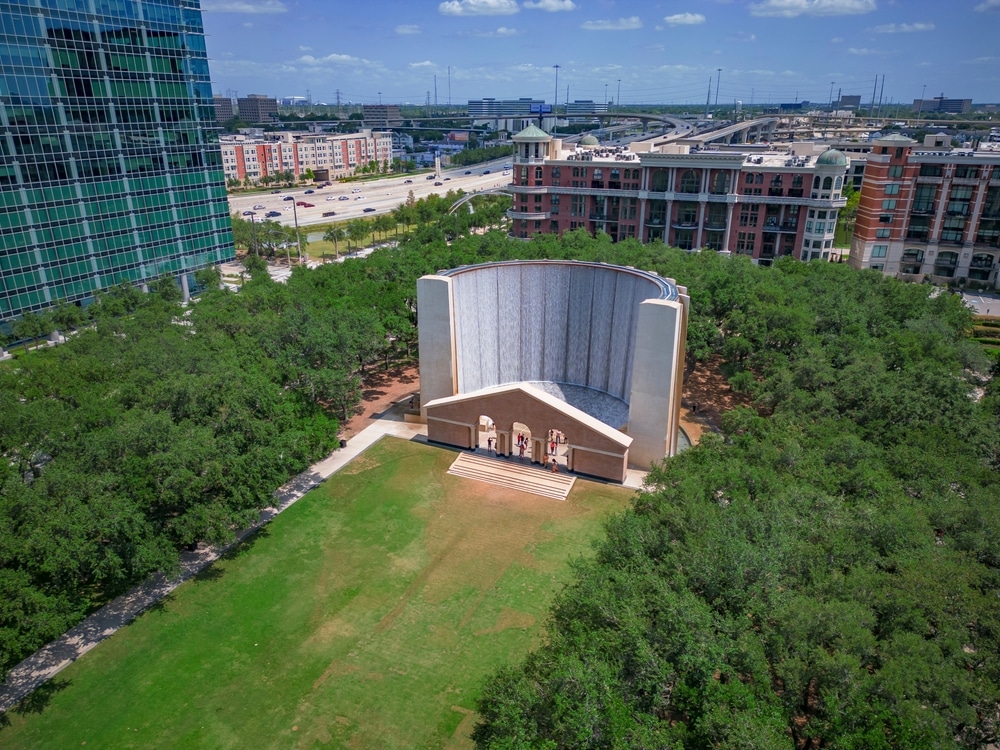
x: 822, y: 573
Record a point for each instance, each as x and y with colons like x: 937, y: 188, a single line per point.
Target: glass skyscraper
x: 110, y: 170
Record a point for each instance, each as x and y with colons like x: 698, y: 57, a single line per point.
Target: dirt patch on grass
x: 381, y: 391
x: 706, y: 397
x: 509, y: 618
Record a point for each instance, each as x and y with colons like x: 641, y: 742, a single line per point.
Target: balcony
x: 597, y: 216
x: 917, y: 236
x: 922, y: 209
x: 656, y: 221
x: 715, y: 225
x: 981, y: 264
x: 913, y: 257
x: 684, y: 224
x: 775, y: 192
x: 527, y: 215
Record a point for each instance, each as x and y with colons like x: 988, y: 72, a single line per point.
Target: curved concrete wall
x: 560, y: 321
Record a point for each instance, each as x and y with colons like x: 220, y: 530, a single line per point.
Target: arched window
x: 689, y: 181
x: 660, y: 181
x: 827, y: 183
x: 838, y: 183
x: 816, y: 182
x: 720, y: 186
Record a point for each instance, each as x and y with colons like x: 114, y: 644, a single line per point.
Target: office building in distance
x: 929, y: 212
x: 110, y: 170
x: 224, y: 109
x: 381, y: 115
x: 258, y: 109
x: 940, y: 104
x: 512, y: 115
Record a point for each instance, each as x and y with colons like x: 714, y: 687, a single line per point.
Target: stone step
x: 503, y: 473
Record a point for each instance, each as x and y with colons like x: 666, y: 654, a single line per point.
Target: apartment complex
x: 110, y: 169
x: 764, y: 204
x: 929, y: 213
x: 328, y: 155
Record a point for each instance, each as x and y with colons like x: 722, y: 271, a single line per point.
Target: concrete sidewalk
x: 56, y: 656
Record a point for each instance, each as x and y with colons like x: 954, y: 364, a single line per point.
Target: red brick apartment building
x: 762, y: 204
x: 927, y: 212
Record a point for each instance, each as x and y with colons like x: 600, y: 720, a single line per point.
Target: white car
x: 259, y: 206
x: 356, y: 190
x: 331, y: 197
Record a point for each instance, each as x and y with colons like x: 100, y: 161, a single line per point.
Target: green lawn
x: 365, y: 616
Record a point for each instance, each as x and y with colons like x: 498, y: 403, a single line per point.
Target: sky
x: 769, y: 51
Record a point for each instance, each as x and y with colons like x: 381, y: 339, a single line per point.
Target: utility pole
x: 435, y: 91
x: 874, y: 90
x: 718, y: 80
x: 555, y: 99
x: 921, y: 106
x: 880, y: 92
x: 449, y: 89
x: 380, y: 98
x: 831, y: 95
x: 708, y: 99
x: 618, y: 98
x: 339, y: 113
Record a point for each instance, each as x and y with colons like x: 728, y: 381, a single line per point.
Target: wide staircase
x: 514, y: 475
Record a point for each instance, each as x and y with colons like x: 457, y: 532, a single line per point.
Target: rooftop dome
x: 832, y: 158
x: 532, y: 133
x: 589, y: 140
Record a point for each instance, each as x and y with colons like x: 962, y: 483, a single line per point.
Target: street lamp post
x: 718, y: 78
x: 253, y: 231
x: 921, y: 105
x: 298, y: 236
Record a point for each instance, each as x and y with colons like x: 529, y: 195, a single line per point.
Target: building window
x: 930, y: 170
x: 690, y: 181
x: 877, y: 266
x: 556, y: 172
x: 889, y: 205
x: 892, y: 188
x: 896, y: 170
x: 879, y: 251
x: 885, y: 218
x: 745, y: 242
x: 828, y: 244
x: 883, y: 233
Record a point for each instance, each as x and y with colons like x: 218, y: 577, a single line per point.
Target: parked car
x: 288, y: 198
x: 310, y: 192
x: 259, y: 206
x: 369, y: 209
x: 272, y: 214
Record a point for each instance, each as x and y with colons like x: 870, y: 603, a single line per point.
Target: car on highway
x: 272, y: 214
x: 486, y: 171
x: 431, y: 177
x: 304, y: 204
x: 355, y: 190
x: 310, y: 192
x: 468, y: 171
x: 506, y: 166
x: 259, y: 206
x: 288, y: 198
x: 275, y: 192
x: 359, y: 197
x: 446, y: 179
x: 343, y: 198
x: 332, y: 197
x: 249, y: 213
x: 369, y: 210
x: 329, y: 213
x: 407, y: 182
x: 438, y: 184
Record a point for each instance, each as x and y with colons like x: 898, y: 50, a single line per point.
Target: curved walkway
x: 57, y: 655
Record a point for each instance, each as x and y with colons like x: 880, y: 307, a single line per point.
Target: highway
x: 383, y: 195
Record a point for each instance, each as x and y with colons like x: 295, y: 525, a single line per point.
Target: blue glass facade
x: 110, y: 169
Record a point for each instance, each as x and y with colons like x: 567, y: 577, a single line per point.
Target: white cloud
x: 684, y: 19
x: 336, y: 59
x: 552, y: 6
x: 988, y: 5
x: 424, y: 64
x: 407, y: 29
x: 303, y: 48
x: 622, y: 24
x: 793, y: 8
x: 862, y: 51
x: 837, y: 39
x: 243, y: 6
x: 478, y: 7
x: 902, y: 28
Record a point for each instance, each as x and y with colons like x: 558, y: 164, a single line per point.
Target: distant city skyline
x: 769, y: 51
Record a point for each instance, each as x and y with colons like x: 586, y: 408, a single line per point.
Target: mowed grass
x: 365, y: 616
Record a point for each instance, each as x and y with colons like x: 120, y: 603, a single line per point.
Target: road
x: 383, y: 195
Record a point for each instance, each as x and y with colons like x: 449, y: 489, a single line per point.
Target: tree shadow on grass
x: 37, y: 701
